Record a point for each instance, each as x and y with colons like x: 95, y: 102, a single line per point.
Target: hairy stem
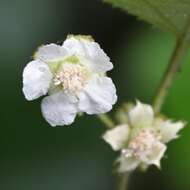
x: 104, y: 118
x: 123, y: 181
x: 171, y: 71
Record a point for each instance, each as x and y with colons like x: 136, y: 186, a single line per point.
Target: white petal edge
x: 96, y: 58
x: 141, y: 115
x: 127, y: 164
x: 169, y: 129
x: 59, y: 109
x: 156, y: 154
x: 98, y: 96
x: 50, y: 52
x: 36, y: 79
x: 117, y: 137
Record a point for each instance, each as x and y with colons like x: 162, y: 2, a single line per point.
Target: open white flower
x: 74, y: 77
x: 142, y: 141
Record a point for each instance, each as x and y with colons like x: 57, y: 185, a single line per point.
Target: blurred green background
x: 35, y: 156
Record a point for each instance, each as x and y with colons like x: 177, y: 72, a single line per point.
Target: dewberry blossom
x: 142, y: 140
x: 73, y: 76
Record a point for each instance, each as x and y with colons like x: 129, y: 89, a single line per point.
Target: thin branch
x: 172, y: 70
x: 123, y: 181
x: 104, y: 118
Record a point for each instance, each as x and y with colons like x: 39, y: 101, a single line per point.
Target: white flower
x: 142, y: 140
x: 74, y: 77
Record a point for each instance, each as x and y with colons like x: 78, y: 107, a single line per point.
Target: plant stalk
x: 104, y: 118
x: 123, y: 181
x: 171, y: 72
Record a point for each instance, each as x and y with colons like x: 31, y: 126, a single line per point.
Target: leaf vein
x: 164, y: 18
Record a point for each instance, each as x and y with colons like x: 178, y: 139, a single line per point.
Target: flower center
x: 141, y: 146
x: 72, y: 77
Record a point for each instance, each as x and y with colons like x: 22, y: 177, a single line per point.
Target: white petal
x: 127, y: 164
x: 50, y: 52
x: 36, y: 79
x: 59, y: 109
x: 98, y: 96
x: 168, y: 129
x: 98, y: 60
x: 141, y: 115
x: 156, y: 155
x: 117, y: 137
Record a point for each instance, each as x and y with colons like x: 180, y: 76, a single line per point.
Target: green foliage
x: 169, y: 15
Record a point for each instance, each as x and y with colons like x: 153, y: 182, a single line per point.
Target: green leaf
x: 169, y: 15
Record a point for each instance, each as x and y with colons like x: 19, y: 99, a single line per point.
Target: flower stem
x: 104, y: 118
x: 171, y: 71
x: 123, y: 181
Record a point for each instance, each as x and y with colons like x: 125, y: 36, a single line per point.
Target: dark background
x: 35, y: 156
